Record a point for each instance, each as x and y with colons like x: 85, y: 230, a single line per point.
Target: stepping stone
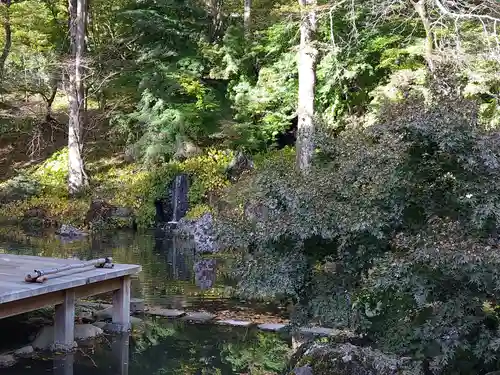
x: 167, y: 313
x: 136, y: 306
x: 86, y: 331
x: 320, y: 331
x: 275, y: 327
x: 235, y: 323
x: 25, y: 352
x: 100, y: 325
x: 106, y: 314
x: 199, y: 316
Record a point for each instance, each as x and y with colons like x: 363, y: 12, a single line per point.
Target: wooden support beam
x: 121, y: 306
x: 64, y: 324
x: 30, y: 304
x: 55, y: 298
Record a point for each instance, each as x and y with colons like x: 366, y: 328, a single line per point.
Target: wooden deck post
x: 121, y: 306
x: 64, y: 325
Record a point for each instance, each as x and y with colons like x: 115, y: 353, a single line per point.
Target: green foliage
x: 198, y: 211
x: 52, y: 174
x: 260, y: 355
x: 20, y: 187
x: 206, y: 173
x: 365, y: 221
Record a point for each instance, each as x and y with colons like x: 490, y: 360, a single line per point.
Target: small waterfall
x: 179, y: 201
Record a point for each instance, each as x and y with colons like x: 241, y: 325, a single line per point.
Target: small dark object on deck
x: 40, y: 276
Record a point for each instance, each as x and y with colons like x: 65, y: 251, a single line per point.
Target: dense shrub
x: 389, y: 233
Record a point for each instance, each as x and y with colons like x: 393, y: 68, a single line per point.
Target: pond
x: 173, y: 276
x: 169, y: 349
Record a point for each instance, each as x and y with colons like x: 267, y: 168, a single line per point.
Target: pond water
x: 173, y: 276
x: 170, y: 349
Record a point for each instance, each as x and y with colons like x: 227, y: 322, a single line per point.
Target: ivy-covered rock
x: 348, y: 359
x: 201, y: 231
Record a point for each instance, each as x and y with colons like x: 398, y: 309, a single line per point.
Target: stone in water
x: 167, y: 313
x: 275, y: 327
x: 235, y: 323
x: 199, y: 316
x: 321, y: 331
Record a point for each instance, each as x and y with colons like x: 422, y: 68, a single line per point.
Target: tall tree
x: 8, y: 36
x: 247, y: 15
x: 307, y: 81
x: 77, y: 179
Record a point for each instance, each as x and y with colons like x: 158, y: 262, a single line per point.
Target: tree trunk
x: 307, y: 82
x: 214, y: 9
x: 49, y: 102
x: 247, y: 15
x: 429, y: 40
x: 77, y: 179
x: 8, y: 38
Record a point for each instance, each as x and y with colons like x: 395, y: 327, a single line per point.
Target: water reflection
x: 118, y: 359
x: 171, y: 349
x: 173, y: 274
x: 205, y: 273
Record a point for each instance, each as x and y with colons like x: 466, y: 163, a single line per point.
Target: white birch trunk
x: 247, y: 15
x: 77, y: 179
x: 307, y: 82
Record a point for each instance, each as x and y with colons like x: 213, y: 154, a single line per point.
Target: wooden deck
x: 18, y: 296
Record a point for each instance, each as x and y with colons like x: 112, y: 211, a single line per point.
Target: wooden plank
x: 68, y: 282
x: 97, y: 288
x: 64, y: 324
x: 30, y: 304
x: 34, y: 258
x: 56, y: 298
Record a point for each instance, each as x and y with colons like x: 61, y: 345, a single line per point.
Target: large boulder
x: 45, y: 338
x: 240, y: 164
x: 347, y: 359
x: 87, y: 331
x: 201, y: 231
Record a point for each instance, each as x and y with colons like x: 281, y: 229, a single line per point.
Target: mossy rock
x: 348, y: 359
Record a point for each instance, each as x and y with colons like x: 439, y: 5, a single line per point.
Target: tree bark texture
x: 8, y: 37
x: 77, y: 179
x: 307, y: 82
x: 421, y: 9
x: 247, y: 16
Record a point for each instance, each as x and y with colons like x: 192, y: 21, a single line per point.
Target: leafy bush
x: 52, y: 174
x: 198, y: 211
x: 366, y: 223
x: 23, y: 186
